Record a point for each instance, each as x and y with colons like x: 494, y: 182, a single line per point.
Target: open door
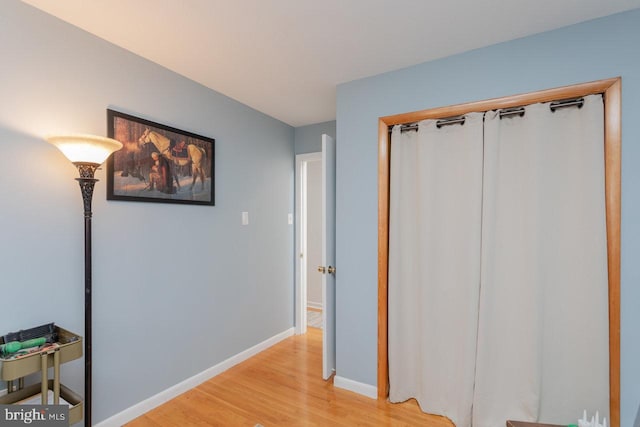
x: 328, y: 256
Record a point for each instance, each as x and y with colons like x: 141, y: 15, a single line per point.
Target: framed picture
x: 159, y: 163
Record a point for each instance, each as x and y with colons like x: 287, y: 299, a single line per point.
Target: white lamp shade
x: 85, y: 148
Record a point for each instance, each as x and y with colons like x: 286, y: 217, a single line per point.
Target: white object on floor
x: 314, y: 319
x: 36, y: 399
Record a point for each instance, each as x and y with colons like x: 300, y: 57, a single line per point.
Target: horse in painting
x: 195, y: 155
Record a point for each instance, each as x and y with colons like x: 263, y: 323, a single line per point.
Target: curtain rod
x: 555, y: 105
x: 515, y: 111
x: 574, y: 102
x: 506, y: 112
x: 442, y: 122
x: 450, y: 121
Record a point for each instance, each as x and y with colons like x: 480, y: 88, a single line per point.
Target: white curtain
x: 434, y: 265
x: 543, y: 327
x: 497, y: 267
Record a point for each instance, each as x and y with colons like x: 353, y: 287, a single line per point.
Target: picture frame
x: 159, y: 163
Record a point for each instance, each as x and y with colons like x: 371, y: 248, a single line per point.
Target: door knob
x: 321, y: 269
x: 331, y: 270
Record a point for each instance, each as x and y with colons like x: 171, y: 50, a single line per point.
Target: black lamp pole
x: 87, y: 182
x: 87, y: 152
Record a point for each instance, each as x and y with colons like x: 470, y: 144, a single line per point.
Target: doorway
x: 308, y: 238
x: 305, y: 266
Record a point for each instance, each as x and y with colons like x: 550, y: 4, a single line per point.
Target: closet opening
x: 560, y: 97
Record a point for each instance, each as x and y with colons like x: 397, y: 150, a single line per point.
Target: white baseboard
x: 355, y: 386
x: 145, y: 406
x: 316, y: 305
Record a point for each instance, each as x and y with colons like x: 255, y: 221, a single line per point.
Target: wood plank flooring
x: 282, y: 386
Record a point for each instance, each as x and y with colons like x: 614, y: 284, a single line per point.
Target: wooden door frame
x: 611, y: 90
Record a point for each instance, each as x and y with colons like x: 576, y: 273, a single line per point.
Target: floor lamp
x: 87, y: 152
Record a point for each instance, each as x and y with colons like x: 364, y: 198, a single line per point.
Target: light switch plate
x: 245, y: 218
x: 290, y: 219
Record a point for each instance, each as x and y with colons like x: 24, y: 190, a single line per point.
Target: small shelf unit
x: 15, y: 370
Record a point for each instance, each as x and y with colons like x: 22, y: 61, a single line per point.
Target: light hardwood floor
x: 282, y: 386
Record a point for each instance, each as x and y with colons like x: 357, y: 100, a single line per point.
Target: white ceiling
x: 286, y: 57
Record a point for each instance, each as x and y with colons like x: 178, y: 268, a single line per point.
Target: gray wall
x: 590, y: 51
x: 308, y: 139
x: 177, y: 289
